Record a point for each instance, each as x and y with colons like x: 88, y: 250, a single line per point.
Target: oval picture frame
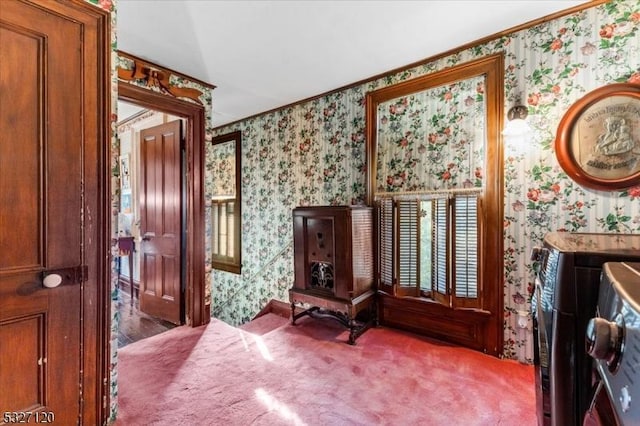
x: 598, y: 139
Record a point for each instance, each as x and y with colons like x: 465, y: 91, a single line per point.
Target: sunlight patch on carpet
x: 259, y: 341
x: 273, y: 404
x: 244, y: 341
x: 264, y: 351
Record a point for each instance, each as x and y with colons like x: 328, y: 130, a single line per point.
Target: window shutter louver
x: 465, y: 252
x: 223, y: 221
x: 385, y: 244
x: 230, y: 226
x: 408, y: 247
x: 428, y: 245
x: 439, y: 239
x: 222, y: 214
x: 215, y: 244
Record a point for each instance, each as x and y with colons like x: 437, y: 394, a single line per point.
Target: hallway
x: 136, y: 325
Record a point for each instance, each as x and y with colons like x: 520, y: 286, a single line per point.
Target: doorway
x: 192, y: 204
x: 150, y: 261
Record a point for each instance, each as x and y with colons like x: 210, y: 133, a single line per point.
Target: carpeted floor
x: 272, y: 373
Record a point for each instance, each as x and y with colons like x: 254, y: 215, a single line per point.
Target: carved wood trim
x: 155, y: 76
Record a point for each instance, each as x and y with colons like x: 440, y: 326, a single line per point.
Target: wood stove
x: 333, y: 262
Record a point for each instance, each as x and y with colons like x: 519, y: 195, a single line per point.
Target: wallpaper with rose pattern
x: 314, y: 154
x: 433, y: 139
x: 223, y: 168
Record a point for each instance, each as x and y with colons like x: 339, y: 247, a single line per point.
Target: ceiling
x: 266, y: 54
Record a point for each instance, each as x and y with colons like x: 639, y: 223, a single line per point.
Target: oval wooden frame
x: 564, y: 143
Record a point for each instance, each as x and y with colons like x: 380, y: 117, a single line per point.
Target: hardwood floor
x: 136, y: 325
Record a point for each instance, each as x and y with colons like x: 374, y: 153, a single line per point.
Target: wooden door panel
x: 158, y: 272
x: 170, y: 268
x: 46, y: 186
x: 160, y: 211
x: 24, y: 376
x: 21, y: 207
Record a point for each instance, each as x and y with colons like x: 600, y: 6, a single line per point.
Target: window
x: 434, y: 162
x: 225, y: 203
x: 435, y: 254
x: 223, y: 213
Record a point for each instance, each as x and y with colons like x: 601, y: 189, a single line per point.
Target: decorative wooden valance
x: 154, y: 76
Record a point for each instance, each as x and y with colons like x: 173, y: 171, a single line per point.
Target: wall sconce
x: 517, y: 127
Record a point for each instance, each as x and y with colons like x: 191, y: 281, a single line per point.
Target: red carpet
x: 307, y: 375
x: 264, y: 324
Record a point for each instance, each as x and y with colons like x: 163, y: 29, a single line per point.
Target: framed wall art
x: 125, y: 172
x: 598, y: 139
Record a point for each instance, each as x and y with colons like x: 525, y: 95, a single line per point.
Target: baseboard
x: 125, y: 283
x: 276, y: 307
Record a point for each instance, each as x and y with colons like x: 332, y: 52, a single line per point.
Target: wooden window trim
x: 489, y: 333
x: 233, y: 263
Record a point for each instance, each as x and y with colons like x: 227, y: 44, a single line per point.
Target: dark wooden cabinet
x: 333, y: 262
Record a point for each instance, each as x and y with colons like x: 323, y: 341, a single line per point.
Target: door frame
x: 195, y: 312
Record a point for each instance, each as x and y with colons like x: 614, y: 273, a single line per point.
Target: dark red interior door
x: 49, y: 166
x: 160, y: 212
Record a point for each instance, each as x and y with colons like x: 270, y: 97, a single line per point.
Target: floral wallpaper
x: 223, y: 169
x: 310, y: 154
x: 314, y: 154
x: 433, y: 139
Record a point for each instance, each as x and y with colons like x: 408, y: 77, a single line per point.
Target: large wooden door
x: 52, y: 118
x: 161, y: 224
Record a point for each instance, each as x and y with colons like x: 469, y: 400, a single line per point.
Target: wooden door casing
x: 54, y: 78
x: 196, y: 309
x: 161, y: 225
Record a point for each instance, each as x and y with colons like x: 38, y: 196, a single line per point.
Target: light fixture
x: 518, y: 112
x: 517, y: 125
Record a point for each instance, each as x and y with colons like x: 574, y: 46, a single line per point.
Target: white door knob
x: 53, y: 280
